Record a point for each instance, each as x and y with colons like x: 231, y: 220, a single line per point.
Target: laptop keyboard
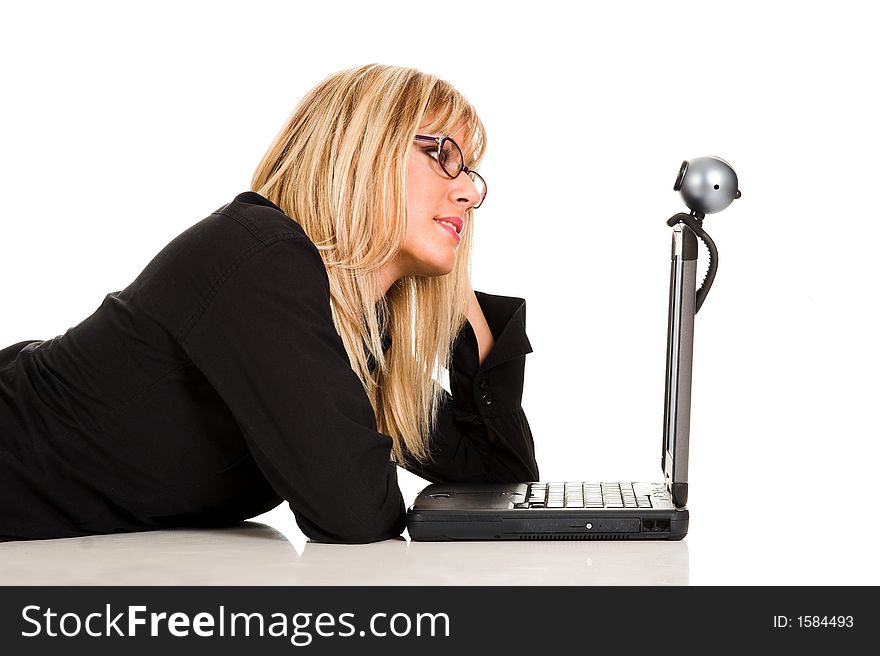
x: 585, y: 495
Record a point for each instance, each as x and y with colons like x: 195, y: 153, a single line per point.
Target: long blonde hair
x: 338, y: 168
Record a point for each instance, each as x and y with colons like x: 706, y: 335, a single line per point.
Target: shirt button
x: 484, y: 385
x: 486, y: 400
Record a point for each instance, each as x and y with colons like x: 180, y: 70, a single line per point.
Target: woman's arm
x: 267, y: 344
x: 480, y: 326
x: 482, y: 433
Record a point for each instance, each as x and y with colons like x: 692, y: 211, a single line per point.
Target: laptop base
x: 488, y: 512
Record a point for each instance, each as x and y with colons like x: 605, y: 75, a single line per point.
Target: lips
x: 448, y: 228
x: 457, y: 223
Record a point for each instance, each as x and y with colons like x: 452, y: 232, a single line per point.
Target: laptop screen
x: 679, y: 356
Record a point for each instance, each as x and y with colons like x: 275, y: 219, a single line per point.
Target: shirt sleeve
x: 482, y: 433
x: 267, y: 344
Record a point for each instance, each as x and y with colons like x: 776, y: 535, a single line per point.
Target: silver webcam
x: 707, y: 185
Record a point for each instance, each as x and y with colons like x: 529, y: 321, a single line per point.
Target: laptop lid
x: 679, y: 359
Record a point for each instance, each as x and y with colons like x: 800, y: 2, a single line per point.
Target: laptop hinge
x: 680, y: 494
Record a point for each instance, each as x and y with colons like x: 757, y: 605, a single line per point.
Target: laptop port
x: 655, y: 526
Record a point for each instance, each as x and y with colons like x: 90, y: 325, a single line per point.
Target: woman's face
x: 430, y: 247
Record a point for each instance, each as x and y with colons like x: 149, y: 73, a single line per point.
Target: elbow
x: 353, y: 527
x: 353, y: 536
x: 357, y: 535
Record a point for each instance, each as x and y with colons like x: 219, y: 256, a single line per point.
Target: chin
x: 435, y: 269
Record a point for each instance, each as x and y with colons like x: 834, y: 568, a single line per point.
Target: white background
x: 122, y: 126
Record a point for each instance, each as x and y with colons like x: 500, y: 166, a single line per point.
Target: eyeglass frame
x: 442, y: 140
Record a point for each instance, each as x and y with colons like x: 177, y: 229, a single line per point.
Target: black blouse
x: 215, y: 386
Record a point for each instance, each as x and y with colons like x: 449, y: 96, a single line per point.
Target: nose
x: 463, y: 191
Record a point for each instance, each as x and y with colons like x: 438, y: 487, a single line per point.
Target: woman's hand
x: 477, y: 319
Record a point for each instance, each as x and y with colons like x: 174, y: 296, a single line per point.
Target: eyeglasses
x: 451, y: 160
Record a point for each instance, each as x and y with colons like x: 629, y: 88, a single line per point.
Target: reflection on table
x: 256, y: 554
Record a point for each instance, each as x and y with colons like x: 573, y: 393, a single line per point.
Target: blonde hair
x: 338, y: 168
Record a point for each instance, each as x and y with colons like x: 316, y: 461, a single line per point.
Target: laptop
x: 601, y: 510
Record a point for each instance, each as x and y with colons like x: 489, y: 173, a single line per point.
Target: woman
x: 284, y: 347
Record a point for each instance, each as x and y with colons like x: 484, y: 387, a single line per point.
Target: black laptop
x: 606, y: 510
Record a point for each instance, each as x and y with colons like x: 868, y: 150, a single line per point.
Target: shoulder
x: 275, y: 241
x: 211, y: 248
x: 260, y: 217
x: 249, y: 238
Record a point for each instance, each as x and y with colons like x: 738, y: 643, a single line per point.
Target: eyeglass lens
x: 452, y: 161
x: 480, y: 184
x: 450, y: 158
